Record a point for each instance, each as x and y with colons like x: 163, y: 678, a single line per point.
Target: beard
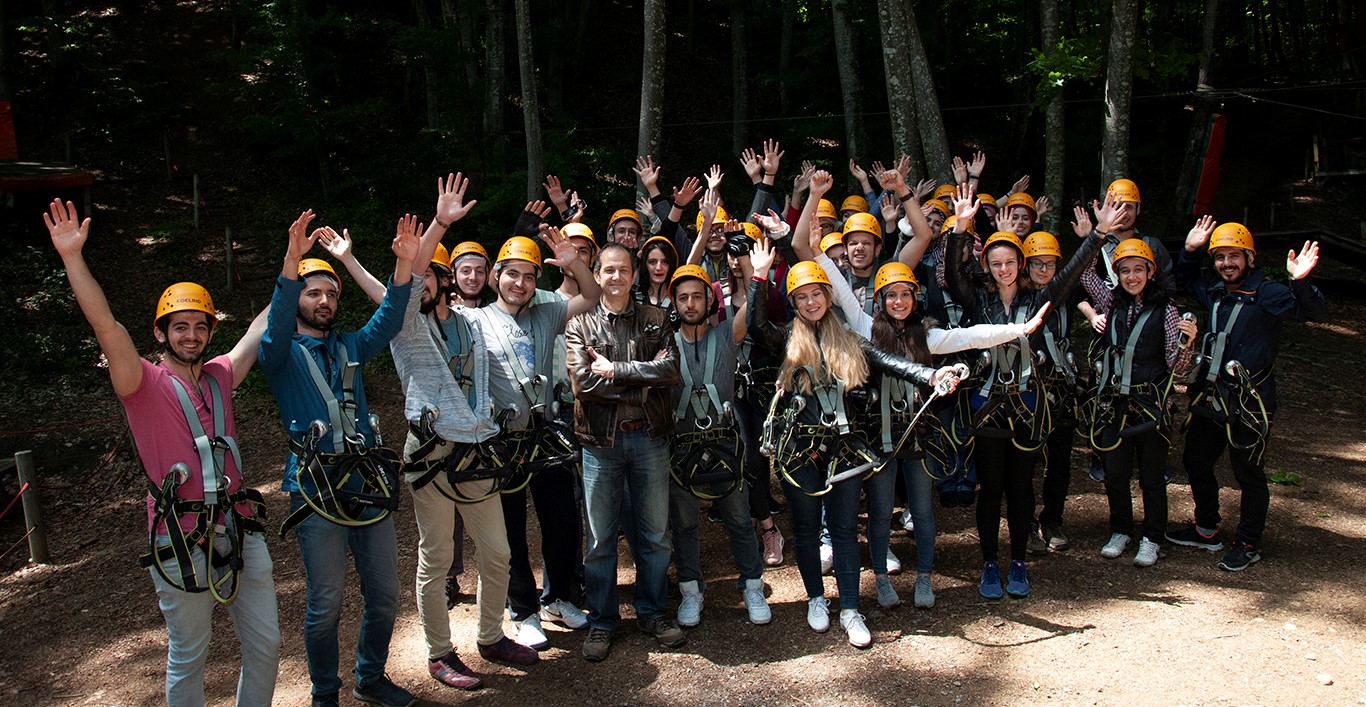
x: 187, y: 360
x: 321, y: 324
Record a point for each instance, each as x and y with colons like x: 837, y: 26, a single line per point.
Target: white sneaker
x: 893, y: 563
x: 530, y: 634
x: 907, y: 521
x: 1116, y: 546
x: 755, y: 603
x: 827, y: 558
x: 852, y: 623
x: 564, y: 612
x: 818, y: 614
x: 690, y: 608
x: 1148, y: 552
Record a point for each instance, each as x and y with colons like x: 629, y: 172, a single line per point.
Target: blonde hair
x: 829, y: 339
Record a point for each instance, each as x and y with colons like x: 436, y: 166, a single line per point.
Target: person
x: 621, y: 361
x: 1008, y: 414
x: 828, y: 364
x: 659, y: 261
x: 314, y: 372
x: 520, y: 329
x: 707, y: 445
x: 470, y: 274
x: 1233, y: 398
x: 1125, y: 191
x: 1145, y: 341
x: 199, y: 506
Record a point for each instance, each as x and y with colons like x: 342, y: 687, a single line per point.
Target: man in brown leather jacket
x: 623, y: 365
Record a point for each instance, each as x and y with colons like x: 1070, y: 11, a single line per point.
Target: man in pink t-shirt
x: 180, y: 412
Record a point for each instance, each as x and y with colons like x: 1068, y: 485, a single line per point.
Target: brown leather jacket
x: 632, y: 340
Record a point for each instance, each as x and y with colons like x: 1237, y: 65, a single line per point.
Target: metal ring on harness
x: 701, y: 460
x: 354, y: 488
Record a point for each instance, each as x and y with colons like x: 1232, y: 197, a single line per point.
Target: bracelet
x: 770, y: 174
x: 905, y: 197
x: 758, y: 278
x: 441, y: 223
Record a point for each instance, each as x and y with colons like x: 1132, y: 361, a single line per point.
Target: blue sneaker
x: 1018, y: 585
x: 991, y: 581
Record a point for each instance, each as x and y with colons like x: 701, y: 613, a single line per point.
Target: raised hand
x: 892, y: 181
x: 888, y: 206
x: 903, y: 165
x: 406, y: 238
x: 685, y: 194
x: 763, y: 254
x: 566, y: 253
x: 1108, y: 214
x: 979, y: 162
x: 300, y: 241
x: 857, y: 172
x: 773, y: 156
x: 450, y: 199
x: 1036, y: 320
x: 601, y: 366
x: 648, y: 173
x: 537, y: 208
x: 1081, y: 224
x: 750, y: 161
x: 877, y: 167
x: 821, y: 182
x: 1003, y: 221
x: 552, y: 188
x: 1300, y: 267
x: 802, y: 181
x: 337, y: 245
x: 960, y: 170
x: 714, y: 176
x: 68, y: 232
x: 1200, y: 232
x: 1040, y: 208
x: 1020, y: 185
x: 770, y: 222
x: 644, y: 208
x: 924, y: 188
x: 711, y: 201
x: 965, y: 206
x: 582, y: 207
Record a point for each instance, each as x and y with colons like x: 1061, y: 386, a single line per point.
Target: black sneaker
x: 452, y: 592
x: 597, y: 645
x: 325, y: 700
x: 383, y: 692
x: 664, y: 630
x: 1053, y: 537
x: 1239, y: 556
x: 775, y: 506
x: 967, y: 497
x: 1190, y: 536
x: 1037, y: 545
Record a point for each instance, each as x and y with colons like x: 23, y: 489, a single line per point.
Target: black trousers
x: 557, y: 512
x: 749, y: 417
x: 1150, y: 449
x: 1003, y: 470
x: 1205, y: 443
x: 1057, y: 477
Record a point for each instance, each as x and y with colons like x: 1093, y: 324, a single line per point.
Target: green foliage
x: 1074, y: 59
x: 1285, y: 478
x: 40, y: 303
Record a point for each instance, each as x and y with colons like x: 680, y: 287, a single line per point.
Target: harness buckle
x: 181, y: 471
x: 704, y: 422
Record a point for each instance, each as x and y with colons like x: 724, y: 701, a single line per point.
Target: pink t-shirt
x: 163, y: 436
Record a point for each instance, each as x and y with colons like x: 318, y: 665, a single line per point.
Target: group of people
x: 878, y: 349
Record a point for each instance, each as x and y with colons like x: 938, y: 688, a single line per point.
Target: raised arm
x: 69, y: 234
x: 339, y: 245
x: 765, y: 332
x: 802, y: 238
x: 921, y: 232
x: 567, y: 258
x: 243, y: 355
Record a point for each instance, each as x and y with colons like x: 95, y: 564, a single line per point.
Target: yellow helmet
x: 862, y: 222
x: 752, y: 230
x: 686, y: 271
x: 1041, y: 243
x: 1231, y: 235
x: 186, y: 297
x: 986, y: 198
x: 620, y: 214
x: 1020, y: 198
x: 465, y: 248
x: 1133, y: 248
x: 951, y: 221
x: 520, y: 248
x: 721, y: 217
x: 826, y: 209
x: 854, y: 203
x: 442, y: 257
x: 660, y: 239
x: 1001, y: 237
x: 831, y: 240
x: 940, y: 206
x: 313, y: 266
x: 805, y: 273
x: 892, y: 273
x: 579, y: 230
x: 944, y: 191
x: 1125, y: 191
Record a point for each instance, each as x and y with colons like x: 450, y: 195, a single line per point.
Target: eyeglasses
x: 1041, y: 265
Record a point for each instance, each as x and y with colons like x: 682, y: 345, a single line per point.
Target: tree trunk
x: 1119, y: 85
x: 494, y: 58
x: 531, y: 116
x: 850, y: 89
x: 901, y: 104
x: 453, y: 18
x: 579, y: 33
x: 739, y: 73
x: 785, y: 52
x: 1203, y: 108
x: 652, y: 80
x: 429, y: 69
x: 1055, y: 132
x: 938, y: 162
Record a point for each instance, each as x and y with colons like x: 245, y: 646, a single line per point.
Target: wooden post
x: 33, y: 508
x: 227, y: 257
x: 196, y: 201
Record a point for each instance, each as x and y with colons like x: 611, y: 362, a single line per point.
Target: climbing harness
x: 711, y: 453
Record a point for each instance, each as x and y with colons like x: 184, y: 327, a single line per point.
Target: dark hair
x: 905, y: 338
x: 615, y: 246
x: 1022, y: 281
x: 1154, y: 293
x: 643, y: 274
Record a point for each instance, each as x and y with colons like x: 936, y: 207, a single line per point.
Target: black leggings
x: 1003, y: 470
x: 750, y: 418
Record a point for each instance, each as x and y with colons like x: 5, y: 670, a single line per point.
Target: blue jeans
x: 323, y: 546
x: 841, y: 517
x: 189, y: 626
x: 684, y: 519
x: 919, y: 497
x: 642, y: 463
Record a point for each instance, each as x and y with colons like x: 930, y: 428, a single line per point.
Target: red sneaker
x: 448, y: 670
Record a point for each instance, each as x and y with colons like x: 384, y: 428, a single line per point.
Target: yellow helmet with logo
x: 721, y: 218
x: 945, y: 191
x: 186, y: 297
x: 805, y: 273
x: 986, y: 198
x: 831, y: 240
x: 520, y: 248
x: 1041, y: 243
x: 442, y: 257
x: 1020, y: 198
x: 620, y: 214
x: 1124, y: 191
x: 862, y: 222
x: 826, y: 209
x: 854, y: 203
x: 1232, y: 235
x: 1000, y: 237
x: 688, y: 270
x: 465, y: 248
x: 309, y: 267
x: 579, y: 230
x: 1134, y: 248
x: 752, y: 230
x: 892, y: 273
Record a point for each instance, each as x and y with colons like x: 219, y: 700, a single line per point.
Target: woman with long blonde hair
x: 821, y: 387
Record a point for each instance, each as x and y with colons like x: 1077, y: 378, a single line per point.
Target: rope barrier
x: 16, y: 544
x: 22, y: 490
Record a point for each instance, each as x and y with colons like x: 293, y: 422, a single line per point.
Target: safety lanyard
x: 831, y: 397
x: 533, y: 387
x: 210, y: 450
x: 1126, y: 371
x: 1015, y: 358
x: 340, y: 413
x: 896, y: 398
x: 459, y: 354
x: 1107, y: 257
x: 1055, y: 351
x: 701, y: 395
x: 1216, y: 361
